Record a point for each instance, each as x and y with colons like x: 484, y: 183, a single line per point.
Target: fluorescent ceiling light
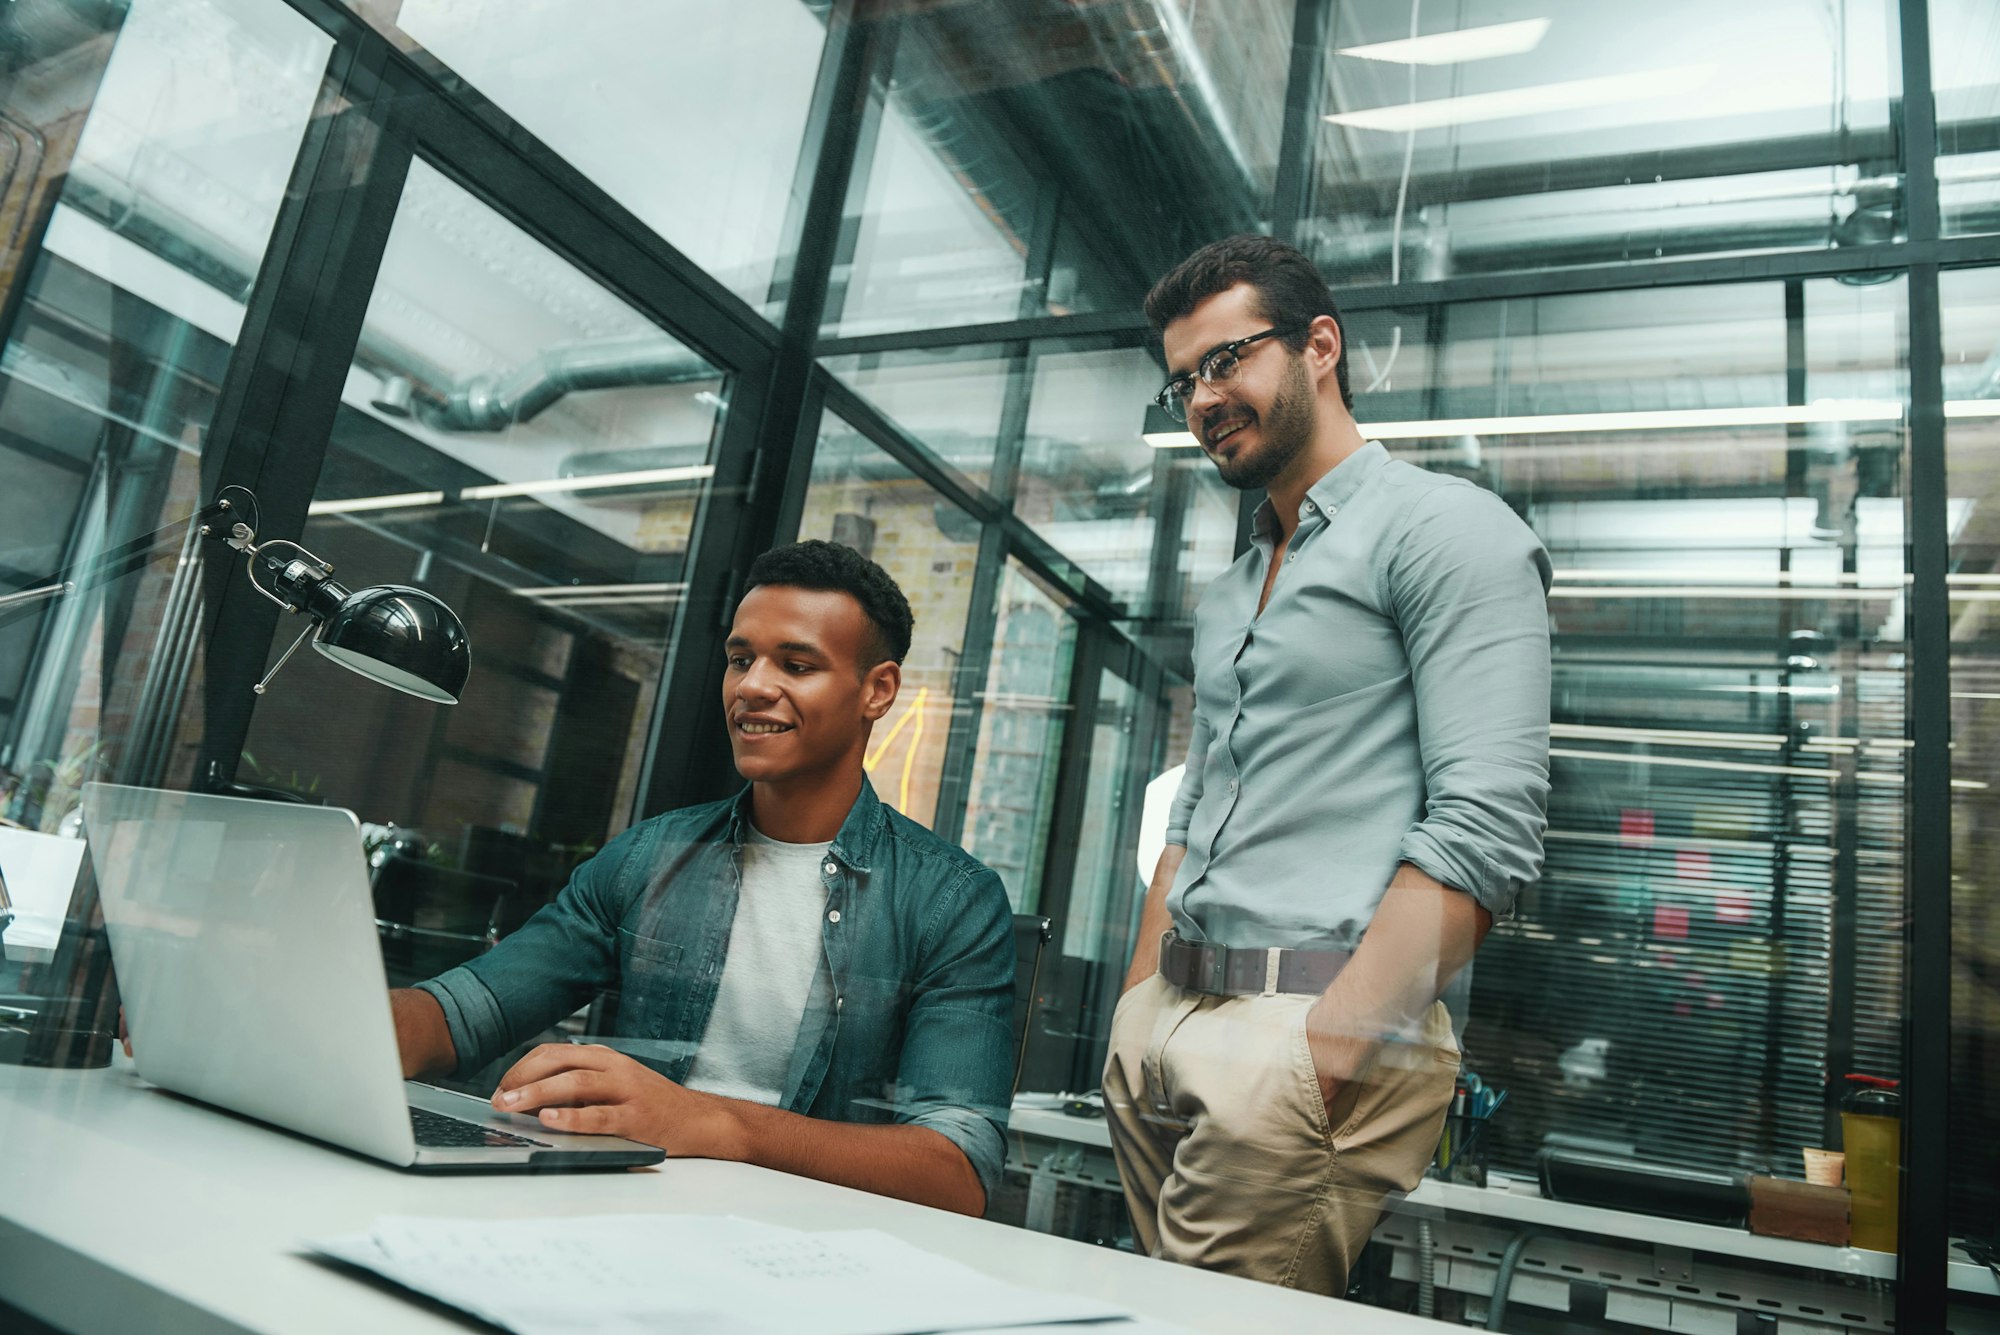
x: 360, y: 503
x: 1805, y: 594
x: 1972, y: 408
x: 1778, y: 690
x: 1580, y: 575
x: 585, y: 590
x: 1571, y: 95
x: 1669, y: 419
x: 493, y: 491
x: 1684, y: 762
x: 1728, y: 741
x: 1452, y: 48
x: 601, y: 482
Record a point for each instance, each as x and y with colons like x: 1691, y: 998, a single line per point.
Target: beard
x: 1287, y: 429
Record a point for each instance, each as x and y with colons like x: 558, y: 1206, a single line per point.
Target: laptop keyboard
x: 436, y: 1131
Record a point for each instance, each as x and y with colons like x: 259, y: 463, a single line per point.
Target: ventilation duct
x: 496, y: 402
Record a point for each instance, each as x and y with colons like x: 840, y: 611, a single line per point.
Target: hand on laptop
x: 592, y: 1089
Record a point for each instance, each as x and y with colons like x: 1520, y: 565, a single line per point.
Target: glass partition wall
x: 1721, y: 335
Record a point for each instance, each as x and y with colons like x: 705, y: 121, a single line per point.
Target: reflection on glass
x: 983, y: 198
x: 1965, y: 53
x: 618, y: 89
x: 953, y: 401
x: 122, y: 326
x: 1534, y: 136
x: 518, y: 441
x: 1153, y: 526
x: 1716, y: 938
x: 1101, y: 889
x: 1971, y: 327
x: 861, y: 497
x: 1021, y: 721
x: 111, y: 372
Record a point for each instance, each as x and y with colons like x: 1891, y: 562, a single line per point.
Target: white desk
x: 1685, y: 1267
x: 123, y: 1208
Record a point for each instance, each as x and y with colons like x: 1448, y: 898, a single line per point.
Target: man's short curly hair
x: 831, y: 567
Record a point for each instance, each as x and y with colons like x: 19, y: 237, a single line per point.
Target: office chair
x: 432, y: 918
x: 1031, y: 937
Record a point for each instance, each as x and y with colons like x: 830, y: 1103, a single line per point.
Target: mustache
x: 1215, y: 426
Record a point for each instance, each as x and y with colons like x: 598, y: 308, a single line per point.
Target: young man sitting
x: 831, y: 982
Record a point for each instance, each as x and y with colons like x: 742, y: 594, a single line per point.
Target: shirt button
x: 1311, y: 506
x: 1232, y: 785
x: 1291, y: 556
x: 1333, y: 509
x: 833, y: 915
x: 829, y: 868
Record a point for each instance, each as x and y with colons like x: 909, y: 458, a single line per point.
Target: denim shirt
x: 909, y: 1019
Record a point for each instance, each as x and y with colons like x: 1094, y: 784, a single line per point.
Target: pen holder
x: 1461, y: 1152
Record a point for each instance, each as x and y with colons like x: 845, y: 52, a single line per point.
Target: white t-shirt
x: 774, y: 951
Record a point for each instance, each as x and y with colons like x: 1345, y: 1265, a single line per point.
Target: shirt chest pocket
x: 648, y: 979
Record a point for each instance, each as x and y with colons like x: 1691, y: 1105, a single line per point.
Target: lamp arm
x: 112, y: 564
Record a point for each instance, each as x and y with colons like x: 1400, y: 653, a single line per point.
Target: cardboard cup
x: 1824, y: 1167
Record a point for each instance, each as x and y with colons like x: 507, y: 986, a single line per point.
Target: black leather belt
x: 1203, y: 966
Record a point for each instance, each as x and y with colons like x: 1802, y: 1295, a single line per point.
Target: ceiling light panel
x: 1542, y: 99
x: 1455, y: 48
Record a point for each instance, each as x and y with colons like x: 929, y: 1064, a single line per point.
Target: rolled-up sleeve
x: 956, y: 1070
x: 558, y: 960
x: 1469, y: 582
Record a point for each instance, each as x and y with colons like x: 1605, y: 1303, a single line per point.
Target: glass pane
x: 618, y: 89
x: 979, y: 199
x: 123, y: 330
x: 951, y: 400
x: 1715, y: 941
x: 1971, y: 305
x: 1023, y: 711
x: 1509, y: 135
x: 1154, y: 526
x: 1151, y: 525
x: 861, y: 497
x: 1965, y: 53
x: 522, y: 444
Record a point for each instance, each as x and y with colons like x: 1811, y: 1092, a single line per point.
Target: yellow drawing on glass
x: 874, y: 757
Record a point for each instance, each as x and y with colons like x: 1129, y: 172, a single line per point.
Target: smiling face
x: 1262, y: 421
x: 801, y: 689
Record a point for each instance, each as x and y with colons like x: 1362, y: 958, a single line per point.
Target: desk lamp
x: 401, y: 637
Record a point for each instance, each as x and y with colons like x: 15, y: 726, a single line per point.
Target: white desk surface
x: 123, y: 1208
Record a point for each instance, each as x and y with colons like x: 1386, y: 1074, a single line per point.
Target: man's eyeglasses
x: 1217, y: 368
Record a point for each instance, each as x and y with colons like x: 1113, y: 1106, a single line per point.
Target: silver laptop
x: 243, y: 933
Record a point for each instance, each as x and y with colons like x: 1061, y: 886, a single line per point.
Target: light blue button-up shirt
x: 1390, y: 704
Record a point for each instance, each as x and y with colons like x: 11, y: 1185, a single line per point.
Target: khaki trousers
x: 1228, y: 1155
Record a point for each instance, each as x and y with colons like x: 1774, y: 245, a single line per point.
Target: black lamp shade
x: 401, y: 637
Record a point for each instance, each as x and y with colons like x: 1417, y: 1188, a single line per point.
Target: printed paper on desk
x: 610, y: 1274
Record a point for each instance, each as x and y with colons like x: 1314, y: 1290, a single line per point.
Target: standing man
x: 824, y: 986
x: 1366, y: 791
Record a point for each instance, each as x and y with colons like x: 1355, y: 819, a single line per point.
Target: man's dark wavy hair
x: 829, y: 566
x: 1290, y: 291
